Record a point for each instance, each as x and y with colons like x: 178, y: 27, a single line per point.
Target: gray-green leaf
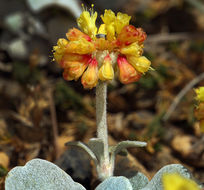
x: 40, y: 174
x: 115, y: 183
x: 139, y: 181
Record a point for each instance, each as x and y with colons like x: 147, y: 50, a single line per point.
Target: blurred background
x: 39, y: 111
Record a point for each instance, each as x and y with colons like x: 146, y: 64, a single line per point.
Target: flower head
x: 95, y: 54
x: 177, y: 182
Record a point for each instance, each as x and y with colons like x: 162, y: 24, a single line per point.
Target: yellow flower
x: 109, y: 21
x: 90, y: 77
x: 121, y: 21
x: 200, y: 93
x: 86, y: 22
x: 108, y: 17
x: 133, y: 49
x: 141, y: 64
x: 178, y: 182
x: 106, y: 71
x: 114, y: 24
x: 60, y: 49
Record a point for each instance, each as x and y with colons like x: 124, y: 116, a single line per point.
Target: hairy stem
x: 101, y: 118
x: 102, y: 131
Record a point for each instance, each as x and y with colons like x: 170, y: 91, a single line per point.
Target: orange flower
x: 127, y: 73
x: 130, y: 34
x: 90, y: 76
x: 94, y: 52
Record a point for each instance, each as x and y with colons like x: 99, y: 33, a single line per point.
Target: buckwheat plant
x: 97, y: 55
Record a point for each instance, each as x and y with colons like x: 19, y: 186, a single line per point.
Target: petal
x: 121, y: 21
x: 66, y: 75
x: 141, y: 64
x: 108, y: 17
x: 81, y: 46
x: 127, y: 73
x: 59, y: 50
x: 62, y: 43
x: 102, y: 29
x: 69, y: 58
x: 106, y: 71
x: 129, y: 34
x: 133, y: 49
x: 110, y: 31
x: 75, y: 34
x: 90, y: 77
x: 86, y: 22
x: 77, y: 70
x: 109, y: 21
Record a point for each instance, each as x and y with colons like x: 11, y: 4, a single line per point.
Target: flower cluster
x: 174, y: 181
x: 99, y: 53
x: 199, y: 112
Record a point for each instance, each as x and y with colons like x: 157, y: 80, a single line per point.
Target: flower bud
x: 106, y: 71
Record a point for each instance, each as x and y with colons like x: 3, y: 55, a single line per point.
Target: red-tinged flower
x: 90, y: 76
x: 130, y: 34
x: 75, y: 34
x: 93, y: 53
x: 127, y: 73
